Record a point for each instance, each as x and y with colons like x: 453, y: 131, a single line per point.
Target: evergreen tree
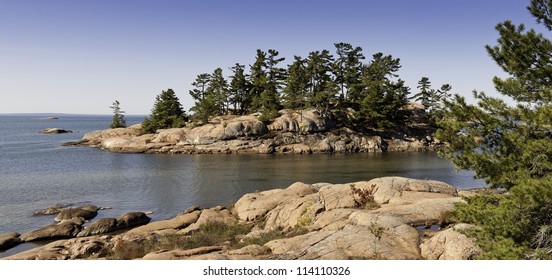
x: 118, y: 116
x: 432, y: 99
x: 218, y: 89
x: 426, y: 94
x: 205, y: 104
x: 259, y: 80
x: 270, y: 101
x: 239, y: 89
x: 323, y: 88
x: 167, y: 112
x: 296, y: 84
x: 509, y: 145
x: 347, y: 69
x: 383, y: 99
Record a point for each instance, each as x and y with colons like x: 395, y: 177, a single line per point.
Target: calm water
x: 37, y: 172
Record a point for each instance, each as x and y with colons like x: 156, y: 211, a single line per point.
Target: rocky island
x: 298, y: 132
x: 384, y: 218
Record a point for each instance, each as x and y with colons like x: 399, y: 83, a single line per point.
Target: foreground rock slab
x: 384, y: 218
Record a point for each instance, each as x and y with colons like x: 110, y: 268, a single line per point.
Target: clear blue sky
x: 80, y: 56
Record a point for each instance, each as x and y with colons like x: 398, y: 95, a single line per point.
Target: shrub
x: 364, y: 198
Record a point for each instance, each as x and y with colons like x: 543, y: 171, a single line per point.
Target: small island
x: 55, y: 131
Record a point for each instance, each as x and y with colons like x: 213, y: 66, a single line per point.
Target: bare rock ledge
x: 318, y: 221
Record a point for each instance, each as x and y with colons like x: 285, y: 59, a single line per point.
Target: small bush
x: 364, y: 198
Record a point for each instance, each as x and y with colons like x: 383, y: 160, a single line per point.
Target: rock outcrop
x: 376, y: 219
x: 298, y: 132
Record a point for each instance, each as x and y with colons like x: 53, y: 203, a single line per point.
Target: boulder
x: 65, y: 229
x: 132, y: 219
x: 100, y: 226
x: 450, y: 244
x: 126, y: 221
x: 85, y: 212
x: 211, y: 215
x: 55, y: 131
x: 9, y: 240
x: 254, y: 205
x: 298, y: 212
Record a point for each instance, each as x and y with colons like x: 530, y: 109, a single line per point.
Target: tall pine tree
x: 383, y: 99
x: 239, y: 89
x: 205, y: 103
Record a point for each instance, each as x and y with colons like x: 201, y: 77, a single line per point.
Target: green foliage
x: 205, y: 104
x: 509, y: 146
x: 323, y: 88
x: 433, y: 100
x: 513, y: 225
x: 296, y: 84
x: 383, y: 99
x: 329, y: 85
x: 239, y: 89
x: 118, y: 117
x: 219, y: 92
x: 167, y: 112
x: 269, y: 99
x: 259, y: 80
x: 347, y: 69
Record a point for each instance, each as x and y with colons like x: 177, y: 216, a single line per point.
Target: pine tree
x: 270, y: 101
x: 218, y: 89
x: 426, y: 94
x: 323, y: 89
x: 167, y: 112
x: 432, y: 99
x: 506, y: 144
x: 296, y: 84
x: 347, y: 69
x: 258, y: 80
x: 239, y: 89
x: 509, y: 145
x: 118, y: 116
x: 205, y: 104
x: 383, y: 99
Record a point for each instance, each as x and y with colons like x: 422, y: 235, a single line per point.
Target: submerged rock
x: 9, y: 240
x: 85, y: 212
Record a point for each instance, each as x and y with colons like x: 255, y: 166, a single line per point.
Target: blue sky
x: 79, y: 56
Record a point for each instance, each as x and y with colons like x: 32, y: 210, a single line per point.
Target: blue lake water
x: 37, y: 172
